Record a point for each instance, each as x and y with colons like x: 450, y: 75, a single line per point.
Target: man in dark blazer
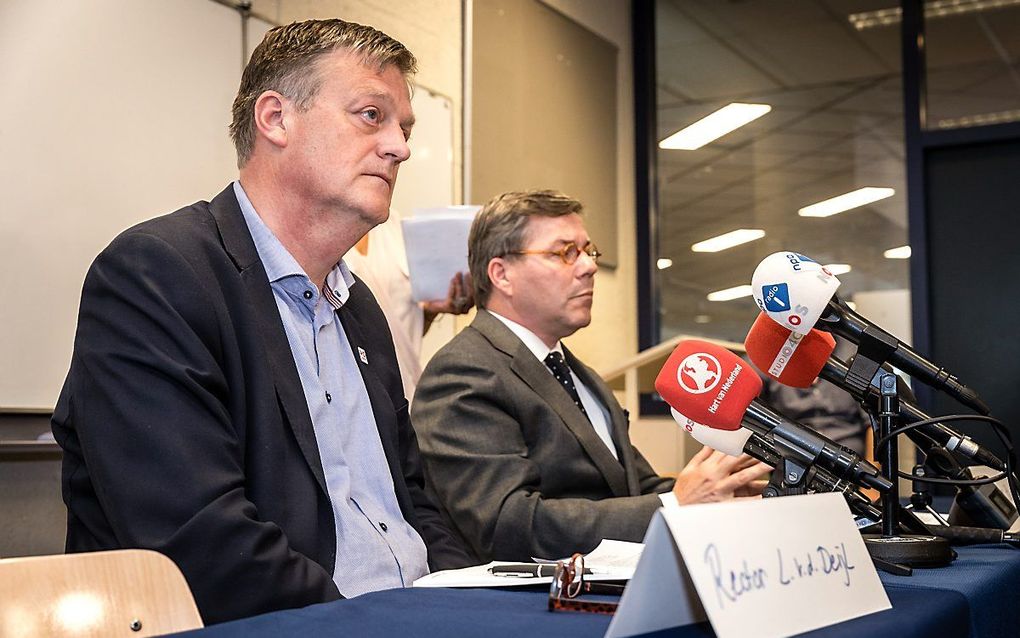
x: 526, y: 448
x: 233, y: 399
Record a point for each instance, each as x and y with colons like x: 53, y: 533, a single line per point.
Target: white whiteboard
x: 426, y: 179
x: 116, y: 111
x: 113, y: 111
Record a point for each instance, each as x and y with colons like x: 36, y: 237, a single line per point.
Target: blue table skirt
x: 978, y: 596
x: 989, y: 578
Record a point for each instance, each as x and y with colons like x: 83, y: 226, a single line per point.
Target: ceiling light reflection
x: 902, y: 252
x: 730, y: 293
x: 728, y: 240
x: 713, y: 126
x: 846, y: 201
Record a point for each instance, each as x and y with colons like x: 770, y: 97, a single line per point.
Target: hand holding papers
x: 436, y: 243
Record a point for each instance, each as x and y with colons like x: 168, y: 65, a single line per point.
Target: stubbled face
x: 345, y: 148
x: 551, y: 298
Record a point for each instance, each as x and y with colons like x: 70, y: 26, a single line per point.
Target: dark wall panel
x: 543, y: 111
x: 32, y: 515
x: 973, y: 216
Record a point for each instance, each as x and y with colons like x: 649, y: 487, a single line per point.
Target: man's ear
x: 499, y: 276
x: 270, y: 109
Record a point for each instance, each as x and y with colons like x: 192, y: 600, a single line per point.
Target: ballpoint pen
x: 527, y: 570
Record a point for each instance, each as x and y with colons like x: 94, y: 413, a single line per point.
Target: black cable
x: 944, y: 481
x: 1000, y: 431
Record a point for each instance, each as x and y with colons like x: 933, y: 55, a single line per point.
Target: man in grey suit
x: 525, y: 447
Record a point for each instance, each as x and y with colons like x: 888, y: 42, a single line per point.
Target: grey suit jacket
x: 516, y: 468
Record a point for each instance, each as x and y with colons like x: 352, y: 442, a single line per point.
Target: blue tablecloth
x: 978, y: 596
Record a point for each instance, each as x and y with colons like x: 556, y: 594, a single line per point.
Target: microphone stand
x: 893, y: 548
x: 920, y: 498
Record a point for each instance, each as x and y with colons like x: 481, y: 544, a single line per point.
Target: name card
x: 763, y: 568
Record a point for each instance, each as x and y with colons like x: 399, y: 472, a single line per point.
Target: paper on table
x: 617, y: 559
x: 477, y: 576
x: 436, y: 243
x: 610, y: 561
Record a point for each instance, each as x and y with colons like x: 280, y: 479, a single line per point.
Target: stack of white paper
x: 436, y: 243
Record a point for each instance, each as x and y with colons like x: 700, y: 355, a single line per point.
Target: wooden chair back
x: 129, y: 592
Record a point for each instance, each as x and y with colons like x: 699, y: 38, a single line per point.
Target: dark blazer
x: 517, y: 469
x: 185, y: 429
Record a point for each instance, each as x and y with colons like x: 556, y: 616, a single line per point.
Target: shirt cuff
x: 669, y: 500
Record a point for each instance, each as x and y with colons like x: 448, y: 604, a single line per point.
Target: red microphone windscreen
x: 708, y: 384
x: 792, y: 359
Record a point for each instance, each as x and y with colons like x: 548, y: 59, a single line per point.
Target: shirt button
x: 329, y: 398
x: 383, y: 527
x: 308, y: 294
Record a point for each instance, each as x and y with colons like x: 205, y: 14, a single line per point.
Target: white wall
x: 116, y: 111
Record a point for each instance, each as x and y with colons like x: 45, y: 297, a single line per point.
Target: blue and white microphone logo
x: 776, y: 297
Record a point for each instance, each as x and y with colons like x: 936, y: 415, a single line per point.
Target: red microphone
x: 790, y: 358
x: 712, y: 384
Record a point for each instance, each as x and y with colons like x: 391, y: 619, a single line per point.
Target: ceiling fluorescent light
x: 903, y: 252
x: 728, y: 240
x: 846, y: 201
x: 933, y: 9
x: 980, y: 119
x: 727, y: 119
x: 838, y: 269
x: 730, y: 293
x: 663, y: 264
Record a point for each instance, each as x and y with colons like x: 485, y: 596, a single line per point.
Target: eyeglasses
x: 568, y: 583
x: 569, y: 253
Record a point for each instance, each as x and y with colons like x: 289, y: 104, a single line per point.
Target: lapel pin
x: 362, y: 355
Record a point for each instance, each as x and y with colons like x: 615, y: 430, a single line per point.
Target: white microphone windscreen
x: 793, y: 290
x: 726, y: 441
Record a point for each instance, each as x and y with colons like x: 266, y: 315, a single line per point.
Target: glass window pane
x: 972, y: 50
x: 834, y: 126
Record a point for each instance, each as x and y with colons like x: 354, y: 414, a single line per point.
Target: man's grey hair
x: 287, y: 59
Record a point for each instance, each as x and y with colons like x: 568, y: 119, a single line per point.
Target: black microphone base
x: 910, y: 550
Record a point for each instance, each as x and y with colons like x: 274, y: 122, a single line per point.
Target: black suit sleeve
x: 148, y: 400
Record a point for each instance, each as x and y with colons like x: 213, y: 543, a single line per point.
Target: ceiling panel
x: 836, y: 125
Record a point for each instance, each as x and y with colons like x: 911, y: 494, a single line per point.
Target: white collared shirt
x: 598, y: 414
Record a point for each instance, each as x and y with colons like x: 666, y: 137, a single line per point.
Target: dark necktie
x: 560, y: 370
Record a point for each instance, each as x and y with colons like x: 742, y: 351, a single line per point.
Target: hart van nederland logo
x: 776, y: 297
x: 699, y: 373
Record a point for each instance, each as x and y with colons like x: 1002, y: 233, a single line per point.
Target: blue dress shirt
x: 375, y: 547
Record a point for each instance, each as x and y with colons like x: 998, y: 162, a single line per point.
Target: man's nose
x: 587, y: 264
x: 394, y: 145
